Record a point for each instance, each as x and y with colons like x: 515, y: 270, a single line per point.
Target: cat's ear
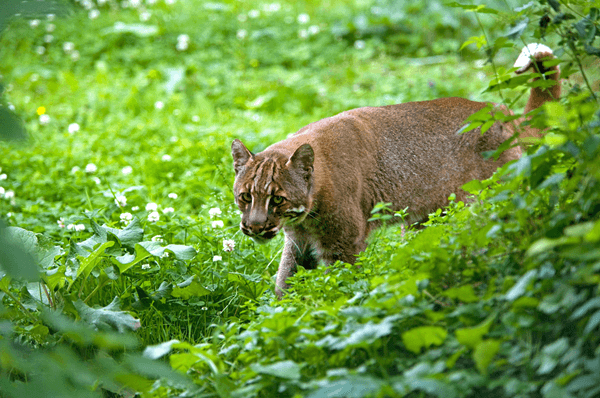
x: 241, y: 155
x: 303, y: 160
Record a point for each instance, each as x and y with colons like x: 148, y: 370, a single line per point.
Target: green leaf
x: 285, y: 369
x: 592, y: 323
x: 465, y: 293
x: 516, y: 31
x: 11, y: 126
x: 423, y: 337
x: 127, y: 261
x: 90, y: 262
x: 159, y: 350
x: 107, y: 318
x: 364, y: 334
x: 190, y: 288
x: 130, y: 235
x: 16, y: 253
x: 484, y: 353
x: 181, y: 252
x: 351, y: 387
x: 471, y: 337
x: 474, y: 186
x: 520, y: 287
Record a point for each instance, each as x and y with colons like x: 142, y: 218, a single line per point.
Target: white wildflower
x: 214, y: 212
x: 166, y: 158
x: 73, y: 128
x: 127, y: 170
x: 50, y: 27
x: 91, y: 168
x: 313, y: 30
x: 169, y: 2
x: 34, y: 23
x: 145, y: 266
x: 135, y: 208
x: 61, y: 222
x: 75, y: 169
x: 154, y: 216
x: 172, y: 195
x: 254, y: 14
x: 151, y: 206
x: 2, y: 191
x: 48, y: 38
x: 241, y: 34
x: 195, y: 118
x: 217, y: 224
x: 126, y: 218
x: 217, y: 258
x: 76, y: 227
x: 182, y: 45
x: 303, y: 33
x: 183, y: 37
x: 359, y: 44
x: 96, y: 180
x: 157, y: 238
x: 273, y: 7
x: 228, y: 245
x: 9, y: 194
x: 135, y: 3
x: 159, y: 105
x: 145, y: 16
x: 3, y: 176
x: 40, y: 50
x: 121, y: 200
x: 168, y: 210
x: 44, y: 119
x: 75, y: 55
x: 303, y: 18
x: 93, y: 14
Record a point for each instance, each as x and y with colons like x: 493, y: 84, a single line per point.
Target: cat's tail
x: 532, y: 57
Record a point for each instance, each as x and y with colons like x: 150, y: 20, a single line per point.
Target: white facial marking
x: 300, y: 209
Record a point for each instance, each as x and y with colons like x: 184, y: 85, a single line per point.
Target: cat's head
x: 272, y: 189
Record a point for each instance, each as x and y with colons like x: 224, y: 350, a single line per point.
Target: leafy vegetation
x: 123, y: 271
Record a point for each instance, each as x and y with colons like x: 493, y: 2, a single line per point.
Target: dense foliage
x: 122, y: 268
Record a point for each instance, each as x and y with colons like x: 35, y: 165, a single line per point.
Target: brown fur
x: 330, y: 174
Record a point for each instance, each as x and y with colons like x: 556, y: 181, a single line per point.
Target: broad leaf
x: 107, y: 318
x: 190, y: 288
x: 423, y: 337
x: 484, y: 353
x: 284, y: 369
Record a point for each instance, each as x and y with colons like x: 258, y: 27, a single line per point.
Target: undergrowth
x: 123, y: 271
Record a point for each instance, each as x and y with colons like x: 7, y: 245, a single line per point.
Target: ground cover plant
x: 122, y: 268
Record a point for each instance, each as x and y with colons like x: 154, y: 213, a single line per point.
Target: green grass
x: 259, y: 88
x: 157, y: 120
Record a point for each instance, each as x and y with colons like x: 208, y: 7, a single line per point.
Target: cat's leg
x: 297, y: 250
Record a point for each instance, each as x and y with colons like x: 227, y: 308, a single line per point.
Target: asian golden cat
x: 320, y: 184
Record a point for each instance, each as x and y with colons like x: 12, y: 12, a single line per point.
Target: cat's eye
x: 278, y: 200
x: 246, y: 197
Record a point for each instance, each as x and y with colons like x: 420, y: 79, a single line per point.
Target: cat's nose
x: 256, y: 227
